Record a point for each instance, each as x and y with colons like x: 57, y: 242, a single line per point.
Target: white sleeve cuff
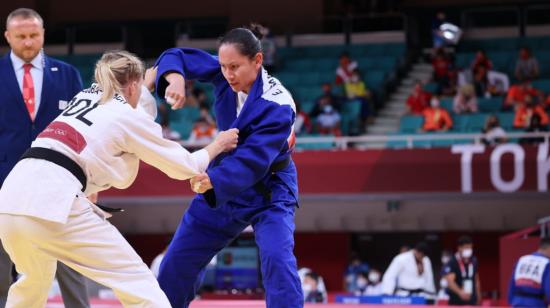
x: 202, y: 159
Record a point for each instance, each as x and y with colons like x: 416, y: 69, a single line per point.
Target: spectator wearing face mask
x: 494, y: 134
x: 462, y: 275
x: 310, y: 288
x: 328, y: 121
x: 361, y: 284
x: 436, y: 118
x: 326, y: 98
x: 353, y: 270
x: 374, y: 287
x: 356, y: 89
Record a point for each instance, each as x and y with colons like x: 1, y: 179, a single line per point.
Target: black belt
x: 278, y: 166
x: 527, y: 294
x: 260, y: 187
x: 58, y: 159
x: 413, y: 291
x: 64, y: 162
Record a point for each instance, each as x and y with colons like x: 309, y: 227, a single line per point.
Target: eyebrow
x: 230, y: 63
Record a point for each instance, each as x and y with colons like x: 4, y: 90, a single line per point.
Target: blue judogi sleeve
x: 251, y: 160
x: 189, y: 62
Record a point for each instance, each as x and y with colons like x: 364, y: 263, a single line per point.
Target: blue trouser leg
x: 274, y: 228
x: 202, y: 233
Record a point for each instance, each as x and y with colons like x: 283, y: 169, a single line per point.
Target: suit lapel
x: 13, y: 95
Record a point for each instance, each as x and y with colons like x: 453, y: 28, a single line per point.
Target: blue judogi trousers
x: 204, y: 231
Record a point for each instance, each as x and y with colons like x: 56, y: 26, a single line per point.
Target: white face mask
x: 307, y: 288
x: 467, y: 253
x: 374, y: 277
x: 327, y: 109
x: 434, y: 102
x: 445, y: 259
x: 361, y: 282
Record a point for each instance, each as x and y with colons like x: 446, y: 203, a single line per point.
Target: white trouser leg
x: 37, y: 269
x: 92, y: 246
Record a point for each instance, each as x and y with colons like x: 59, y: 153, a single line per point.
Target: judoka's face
x: 25, y: 36
x: 239, y: 70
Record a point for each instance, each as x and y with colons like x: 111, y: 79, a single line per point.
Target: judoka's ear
x: 258, y: 60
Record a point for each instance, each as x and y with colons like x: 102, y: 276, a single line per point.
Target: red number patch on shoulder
x: 65, y: 134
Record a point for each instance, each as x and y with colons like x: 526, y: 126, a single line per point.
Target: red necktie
x: 28, y: 90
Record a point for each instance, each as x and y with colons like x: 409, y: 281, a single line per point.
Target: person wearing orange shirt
x: 520, y: 94
x: 436, y: 118
x: 525, y: 112
x: 203, y: 131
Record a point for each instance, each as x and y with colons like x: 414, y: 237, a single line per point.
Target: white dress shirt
x: 37, y: 73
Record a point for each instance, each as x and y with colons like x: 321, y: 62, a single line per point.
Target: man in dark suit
x: 34, y: 89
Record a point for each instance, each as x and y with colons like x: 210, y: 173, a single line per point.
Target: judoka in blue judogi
x: 256, y: 184
x: 530, y: 283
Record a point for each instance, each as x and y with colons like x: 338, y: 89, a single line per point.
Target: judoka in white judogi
x: 402, y: 278
x: 45, y: 217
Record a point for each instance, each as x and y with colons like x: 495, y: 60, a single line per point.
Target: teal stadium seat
x: 316, y: 145
x: 307, y: 93
x: 490, y: 105
x: 447, y: 104
x: 431, y: 87
x: 460, y: 122
x: 183, y: 127
x: 476, y: 122
x: 410, y: 124
x: 542, y: 84
x: 506, y: 120
x: 307, y: 106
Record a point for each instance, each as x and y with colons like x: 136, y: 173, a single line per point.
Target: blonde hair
x: 115, y: 70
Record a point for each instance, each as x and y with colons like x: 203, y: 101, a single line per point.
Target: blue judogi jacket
x: 265, y: 130
x: 17, y: 131
x: 530, y: 283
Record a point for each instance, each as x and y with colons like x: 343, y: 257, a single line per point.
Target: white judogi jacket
x: 403, y: 274
x: 107, y: 140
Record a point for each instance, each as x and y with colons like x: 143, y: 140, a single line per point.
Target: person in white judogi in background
x: 95, y: 144
x: 410, y: 274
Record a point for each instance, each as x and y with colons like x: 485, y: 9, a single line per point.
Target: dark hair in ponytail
x: 246, y: 40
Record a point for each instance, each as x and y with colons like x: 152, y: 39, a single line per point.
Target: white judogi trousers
x: 89, y: 244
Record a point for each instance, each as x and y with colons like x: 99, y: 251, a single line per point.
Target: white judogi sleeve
x: 389, y: 280
x: 144, y: 139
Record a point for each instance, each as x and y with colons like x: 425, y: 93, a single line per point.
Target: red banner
x: 461, y: 168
